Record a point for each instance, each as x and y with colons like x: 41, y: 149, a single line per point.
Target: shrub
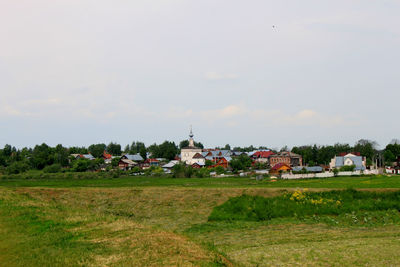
x: 202, y: 173
x: 54, y: 168
x: 219, y: 170
x: 17, y: 167
x: 81, y: 165
x: 348, y: 168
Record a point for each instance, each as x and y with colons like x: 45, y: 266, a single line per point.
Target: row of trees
x: 43, y: 155
x: 14, y: 160
x: 316, y: 155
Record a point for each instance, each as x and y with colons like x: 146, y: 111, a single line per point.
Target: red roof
x: 198, y: 156
x: 263, y: 154
x: 106, y: 156
x: 279, y: 165
x: 345, y: 153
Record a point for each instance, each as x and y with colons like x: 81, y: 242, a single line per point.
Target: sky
x: 269, y: 73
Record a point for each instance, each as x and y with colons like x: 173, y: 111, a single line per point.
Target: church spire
x: 191, y: 141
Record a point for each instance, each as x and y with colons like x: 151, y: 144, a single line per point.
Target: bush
x: 202, y: 173
x: 349, y: 168
x: 52, y: 168
x: 17, y: 167
x: 81, y: 165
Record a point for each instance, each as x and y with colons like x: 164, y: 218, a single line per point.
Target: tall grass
x: 302, y: 204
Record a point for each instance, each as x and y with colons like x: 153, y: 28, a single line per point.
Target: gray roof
x: 309, y: 169
x: 228, y: 158
x: 171, y: 164
x: 88, y: 156
x: 136, y: 157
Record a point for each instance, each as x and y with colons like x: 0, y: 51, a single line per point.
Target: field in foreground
x: 63, y: 180
x: 158, y: 226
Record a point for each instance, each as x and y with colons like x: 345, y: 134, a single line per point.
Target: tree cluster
x: 167, y: 150
x: 317, y: 155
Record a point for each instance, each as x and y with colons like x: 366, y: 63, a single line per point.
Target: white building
x: 349, y: 159
x: 188, y: 153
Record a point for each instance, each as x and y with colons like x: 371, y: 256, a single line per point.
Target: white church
x: 192, y: 154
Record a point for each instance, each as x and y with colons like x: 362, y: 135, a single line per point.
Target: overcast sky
x: 270, y: 73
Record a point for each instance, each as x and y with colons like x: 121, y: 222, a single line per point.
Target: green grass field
x: 139, y: 221
x: 86, y: 180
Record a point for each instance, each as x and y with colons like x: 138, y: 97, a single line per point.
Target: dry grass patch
x: 149, y: 227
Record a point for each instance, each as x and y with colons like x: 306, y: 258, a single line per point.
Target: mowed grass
x: 168, y: 226
x: 98, y: 180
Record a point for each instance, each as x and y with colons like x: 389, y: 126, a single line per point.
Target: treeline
x: 317, y: 155
x: 54, y: 159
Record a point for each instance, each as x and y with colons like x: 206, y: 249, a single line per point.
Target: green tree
x: 114, y: 149
x: 143, y: 152
x: 17, y: 167
x: 81, y: 165
x: 243, y: 162
x: 166, y: 150
x: 115, y: 161
x: 391, y: 152
x: 7, y: 150
x: 61, y: 155
x: 389, y: 157
x: 78, y: 150
x: 97, y: 150
x: 42, y: 155
x: 367, y: 148
x: 185, y: 143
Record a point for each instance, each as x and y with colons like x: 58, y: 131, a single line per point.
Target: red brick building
x: 288, y: 158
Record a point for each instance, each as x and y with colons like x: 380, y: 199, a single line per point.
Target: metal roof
x: 136, y: 157
x: 309, y: 169
x: 171, y: 164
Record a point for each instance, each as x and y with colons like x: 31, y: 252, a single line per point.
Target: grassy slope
x: 337, y: 182
x: 155, y: 226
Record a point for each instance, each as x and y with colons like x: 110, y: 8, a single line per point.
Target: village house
x: 218, y: 157
x: 135, y: 157
x: 349, y: 159
x: 223, y: 162
x: 126, y: 164
x: 150, y: 163
x: 279, y: 168
x: 289, y: 158
x: 261, y: 156
x: 168, y: 167
x: 199, y: 160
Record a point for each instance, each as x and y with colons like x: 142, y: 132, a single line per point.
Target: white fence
x: 325, y: 174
